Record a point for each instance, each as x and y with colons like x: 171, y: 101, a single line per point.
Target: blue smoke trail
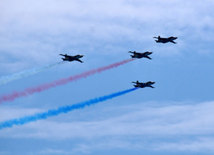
x: 60, y: 110
x: 23, y: 74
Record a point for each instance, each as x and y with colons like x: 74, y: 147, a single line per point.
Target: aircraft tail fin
x: 80, y: 60
x: 148, y: 57
x: 173, y: 42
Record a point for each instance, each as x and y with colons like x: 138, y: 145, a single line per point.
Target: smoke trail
x: 23, y: 74
x: 60, y: 110
x: 43, y: 87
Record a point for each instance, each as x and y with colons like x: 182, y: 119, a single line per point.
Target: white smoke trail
x: 26, y: 73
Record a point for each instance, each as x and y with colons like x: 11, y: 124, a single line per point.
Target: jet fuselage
x: 140, y: 55
x: 71, y: 58
x: 143, y: 85
x: 165, y: 40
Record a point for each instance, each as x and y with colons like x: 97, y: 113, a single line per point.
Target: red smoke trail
x: 29, y: 91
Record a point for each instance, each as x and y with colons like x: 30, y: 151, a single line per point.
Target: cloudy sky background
x: 174, y: 118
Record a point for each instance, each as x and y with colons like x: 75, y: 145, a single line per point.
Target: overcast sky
x: 175, y: 118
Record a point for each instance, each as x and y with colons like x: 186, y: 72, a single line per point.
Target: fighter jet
x: 140, y: 55
x: 143, y: 85
x: 165, y: 40
x: 72, y: 58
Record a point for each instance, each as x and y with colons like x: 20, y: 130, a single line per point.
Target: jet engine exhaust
x: 61, y: 110
x: 43, y: 87
x: 26, y: 73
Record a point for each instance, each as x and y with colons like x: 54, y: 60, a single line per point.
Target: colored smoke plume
x: 61, y: 110
x: 41, y: 88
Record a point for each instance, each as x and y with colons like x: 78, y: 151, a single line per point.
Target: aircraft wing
x: 137, y: 82
x: 65, y: 55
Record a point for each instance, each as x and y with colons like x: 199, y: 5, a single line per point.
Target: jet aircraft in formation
x: 134, y: 55
x: 140, y: 55
x: 72, y: 58
x: 143, y: 85
x: 165, y: 40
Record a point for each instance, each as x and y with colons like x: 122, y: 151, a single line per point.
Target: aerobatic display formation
x: 67, y: 108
